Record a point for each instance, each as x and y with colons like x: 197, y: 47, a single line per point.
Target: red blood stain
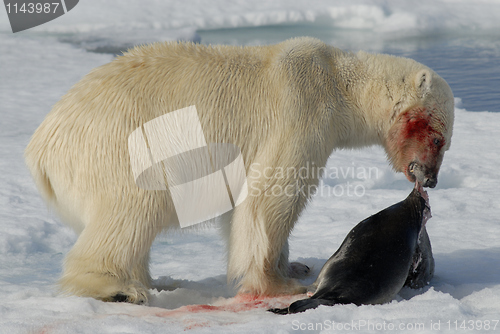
x: 418, y: 128
x: 191, y: 315
x: 240, y: 303
x: 418, y: 125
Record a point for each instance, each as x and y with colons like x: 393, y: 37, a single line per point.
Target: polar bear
x: 287, y: 105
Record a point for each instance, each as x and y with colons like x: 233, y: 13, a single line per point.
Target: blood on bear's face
x: 416, y: 145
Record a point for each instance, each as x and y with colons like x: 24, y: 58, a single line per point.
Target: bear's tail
x: 302, y: 305
x: 42, y: 181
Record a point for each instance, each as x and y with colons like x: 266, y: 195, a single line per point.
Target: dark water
x: 471, y: 68
x: 469, y: 63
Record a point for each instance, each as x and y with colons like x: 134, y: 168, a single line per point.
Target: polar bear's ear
x: 423, y: 81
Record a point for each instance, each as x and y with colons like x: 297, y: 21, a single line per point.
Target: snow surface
x: 38, y: 66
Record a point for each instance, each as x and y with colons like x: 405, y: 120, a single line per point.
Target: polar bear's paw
x: 133, y: 294
x: 133, y: 297
x: 298, y: 270
x: 105, y: 287
x: 273, y: 287
x: 292, y: 287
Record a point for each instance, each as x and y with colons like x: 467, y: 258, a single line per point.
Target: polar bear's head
x: 421, y: 127
x: 413, y: 113
x: 412, y: 110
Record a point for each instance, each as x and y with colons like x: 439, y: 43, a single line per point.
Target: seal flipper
x: 422, y: 268
x: 302, y: 305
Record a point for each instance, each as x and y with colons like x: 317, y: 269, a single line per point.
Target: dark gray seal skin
x: 375, y: 259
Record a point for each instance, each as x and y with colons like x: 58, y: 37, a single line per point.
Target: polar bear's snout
x: 425, y: 176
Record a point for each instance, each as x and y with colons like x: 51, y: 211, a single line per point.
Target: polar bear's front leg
x: 258, y: 241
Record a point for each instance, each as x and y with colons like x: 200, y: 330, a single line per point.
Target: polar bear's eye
x: 437, y: 142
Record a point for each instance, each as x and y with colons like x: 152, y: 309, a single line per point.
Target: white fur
x: 283, y: 105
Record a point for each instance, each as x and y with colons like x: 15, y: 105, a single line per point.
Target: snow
x: 38, y: 66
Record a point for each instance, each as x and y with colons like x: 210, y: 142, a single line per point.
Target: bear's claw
x: 119, y: 298
x: 298, y: 270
